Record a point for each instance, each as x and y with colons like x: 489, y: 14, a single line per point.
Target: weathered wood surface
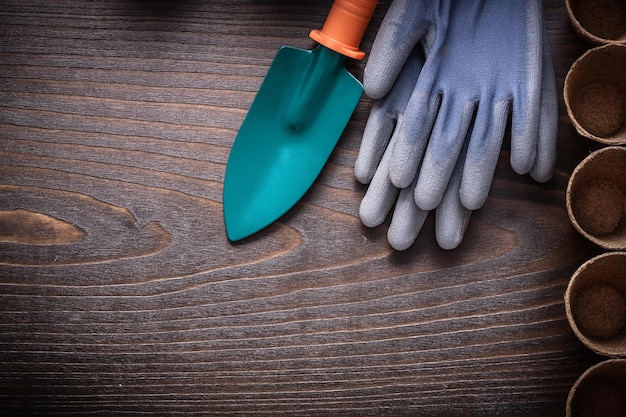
x: 120, y: 294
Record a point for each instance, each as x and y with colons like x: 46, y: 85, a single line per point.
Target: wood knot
x: 31, y: 228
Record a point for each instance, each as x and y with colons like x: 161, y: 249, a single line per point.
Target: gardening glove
x: 483, y: 60
x: 374, y: 156
x: 373, y: 161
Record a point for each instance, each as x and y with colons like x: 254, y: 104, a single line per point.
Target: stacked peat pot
x: 595, y: 299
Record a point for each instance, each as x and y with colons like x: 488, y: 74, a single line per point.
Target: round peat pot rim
x: 598, y: 25
x: 605, y: 167
x: 609, y: 374
x: 608, y: 270
x: 595, y: 94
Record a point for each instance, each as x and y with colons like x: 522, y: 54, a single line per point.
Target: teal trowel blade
x: 293, y: 125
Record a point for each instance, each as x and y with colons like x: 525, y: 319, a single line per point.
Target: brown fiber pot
x: 595, y: 94
x: 595, y: 304
x: 596, y: 197
x: 598, y: 21
x: 599, y: 392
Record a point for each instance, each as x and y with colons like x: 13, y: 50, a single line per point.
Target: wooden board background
x: 120, y: 294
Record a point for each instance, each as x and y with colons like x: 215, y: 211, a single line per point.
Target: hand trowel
x: 294, y: 122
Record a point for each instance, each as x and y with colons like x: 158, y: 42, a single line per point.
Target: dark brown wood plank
x: 120, y: 294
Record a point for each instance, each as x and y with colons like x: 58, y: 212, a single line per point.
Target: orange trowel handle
x: 345, y: 26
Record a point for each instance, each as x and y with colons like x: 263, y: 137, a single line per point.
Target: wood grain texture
x: 120, y: 294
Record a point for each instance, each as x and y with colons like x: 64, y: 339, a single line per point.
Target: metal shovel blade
x: 292, y: 127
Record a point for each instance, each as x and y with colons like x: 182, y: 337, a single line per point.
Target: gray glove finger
x: 446, y: 141
x: 545, y: 162
x: 385, y: 115
x: 525, y: 117
x: 451, y: 217
x: 407, y: 221
x: 394, y: 42
x: 413, y: 136
x: 380, y: 195
x: 482, y: 154
x: 378, y: 130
